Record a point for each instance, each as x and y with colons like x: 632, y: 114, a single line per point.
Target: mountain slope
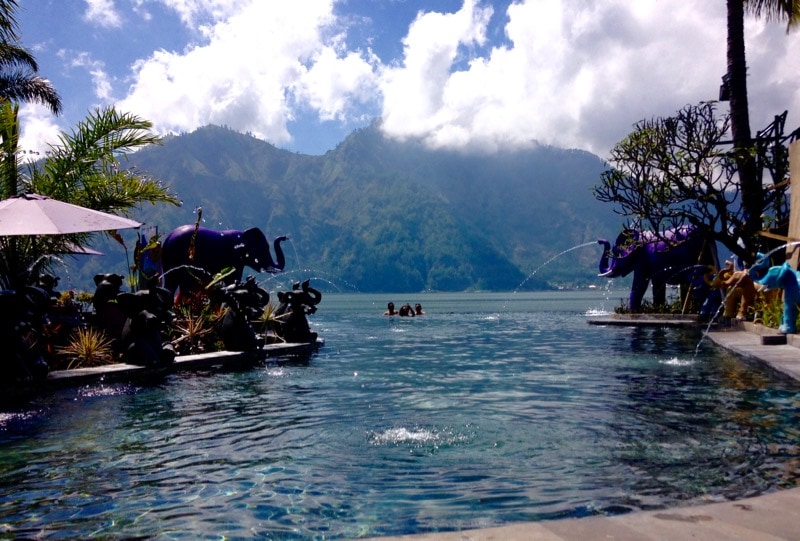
x: 379, y: 215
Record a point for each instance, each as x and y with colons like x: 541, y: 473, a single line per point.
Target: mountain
x: 375, y: 214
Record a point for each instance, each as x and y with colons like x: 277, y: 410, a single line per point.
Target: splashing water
x: 540, y: 267
x: 416, y: 437
x: 187, y: 267
x: 675, y: 361
x: 298, y: 275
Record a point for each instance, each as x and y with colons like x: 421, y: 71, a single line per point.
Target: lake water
x: 490, y: 409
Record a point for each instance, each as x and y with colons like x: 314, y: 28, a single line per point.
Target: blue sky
x: 466, y: 74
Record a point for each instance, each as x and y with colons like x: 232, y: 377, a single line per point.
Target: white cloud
x: 335, y: 85
x: 577, y: 74
x: 39, y: 130
x: 103, y: 13
x: 195, y: 12
x: 253, y: 69
x: 96, y: 69
x: 417, y: 94
x: 569, y: 73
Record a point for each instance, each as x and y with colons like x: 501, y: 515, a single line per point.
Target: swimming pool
x: 490, y: 409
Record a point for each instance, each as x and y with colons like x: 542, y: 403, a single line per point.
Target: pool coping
x: 131, y: 373
x: 771, y: 516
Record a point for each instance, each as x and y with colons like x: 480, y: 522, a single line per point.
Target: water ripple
x: 454, y: 420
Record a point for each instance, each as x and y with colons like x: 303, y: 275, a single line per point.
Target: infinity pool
x: 490, y: 409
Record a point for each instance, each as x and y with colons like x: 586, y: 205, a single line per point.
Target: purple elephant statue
x: 677, y: 256
x: 192, y: 255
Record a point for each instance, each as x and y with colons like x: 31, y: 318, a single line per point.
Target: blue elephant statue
x: 676, y: 256
x: 191, y: 255
x: 786, y: 278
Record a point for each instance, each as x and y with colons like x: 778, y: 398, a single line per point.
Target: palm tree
x: 18, y: 79
x: 751, y: 188
x: 83, y: 168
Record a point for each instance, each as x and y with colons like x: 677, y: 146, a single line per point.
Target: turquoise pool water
x: 488, y: 410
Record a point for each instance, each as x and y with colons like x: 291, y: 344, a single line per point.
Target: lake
x: 489, y: 409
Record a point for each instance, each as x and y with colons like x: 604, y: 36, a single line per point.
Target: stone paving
x: 770, y: 517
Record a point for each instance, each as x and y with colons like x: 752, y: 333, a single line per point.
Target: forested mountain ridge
x: 375, y: 214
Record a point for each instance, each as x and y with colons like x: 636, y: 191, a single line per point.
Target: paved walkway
x: 771, y: 517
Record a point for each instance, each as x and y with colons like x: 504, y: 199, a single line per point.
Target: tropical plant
x: 83, y: 168
x: 193, y: 331
x: 671, y: 172
x: 768, y: 309
x: 87, y: 347
x: 753, y: 192
x: 271, y: 322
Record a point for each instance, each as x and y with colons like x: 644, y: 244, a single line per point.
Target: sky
x: 473, y: 75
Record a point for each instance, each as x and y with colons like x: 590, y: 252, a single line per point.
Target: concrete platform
x: 645, y: 320
x: 121, y: 372
x: 771, y: 517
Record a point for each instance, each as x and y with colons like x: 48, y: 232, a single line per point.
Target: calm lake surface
x: 490, y: 409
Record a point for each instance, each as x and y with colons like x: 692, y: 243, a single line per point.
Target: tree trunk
x: 751, y: 190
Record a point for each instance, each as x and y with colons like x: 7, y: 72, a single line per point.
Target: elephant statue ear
x: 627, y: 241
x: 254, y: 237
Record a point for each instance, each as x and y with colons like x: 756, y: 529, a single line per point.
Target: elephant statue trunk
x: 280, y: 258
x: 606, y: 265
x: 618, y: 260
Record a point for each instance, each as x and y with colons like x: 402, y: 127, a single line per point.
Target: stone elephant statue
x: 294, y: 306
x: 676, y: 256
x: 191, y: 255
x: 145, y: 335
x: 244, y: 303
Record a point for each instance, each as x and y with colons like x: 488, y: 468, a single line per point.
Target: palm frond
x: 8, y: 22
x: 776, y: 10
x: 14, y: 55
x: 22, y: 85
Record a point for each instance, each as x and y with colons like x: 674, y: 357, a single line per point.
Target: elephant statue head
x: 145, y: 335
x: 253, y: 251
x: 620, y: 259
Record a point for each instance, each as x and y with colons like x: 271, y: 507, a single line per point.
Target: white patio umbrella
x: 33, y: 214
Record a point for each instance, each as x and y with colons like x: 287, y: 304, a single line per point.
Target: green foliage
x: 18, y: 79
x: 671, y: 307
x: 83, y: 169
x: 193, y: 328
x: 87, y: 347
x: 768, y: 309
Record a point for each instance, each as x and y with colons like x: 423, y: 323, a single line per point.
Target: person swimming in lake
x: 406, y: 311
x: 390, y: 310
x: 418, y: 310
